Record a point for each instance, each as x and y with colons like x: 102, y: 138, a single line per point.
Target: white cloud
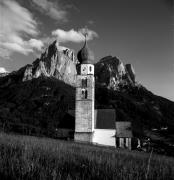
x: 73, y: 36
x: 52, y: 9
x: 16, y: 18
x: 16, y: 47
x: 4, y: 53
x: 36, y: 44
x: 17, y: 22
x: 3, y: 70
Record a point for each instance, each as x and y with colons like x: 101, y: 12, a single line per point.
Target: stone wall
x: 84, y: 116
x: 83, y: 136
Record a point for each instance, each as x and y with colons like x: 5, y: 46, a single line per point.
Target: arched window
x: 84, y: 82
x: 86, y: 94
x: 90, y: 69
x: 83, y: 93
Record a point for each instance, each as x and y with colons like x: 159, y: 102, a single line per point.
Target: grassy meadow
x: 27, y: 157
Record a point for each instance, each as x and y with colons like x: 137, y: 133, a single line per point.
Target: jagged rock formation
x: 56, y: 61
x: 112, y: 73
x: 59, y: 62
x: 130, y: 72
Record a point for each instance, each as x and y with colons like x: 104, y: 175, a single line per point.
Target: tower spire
x: 85, y: 55
x: 85, y: 34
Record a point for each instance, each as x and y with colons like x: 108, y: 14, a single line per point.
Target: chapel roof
x: 123, y: 129
x: 105, y: 119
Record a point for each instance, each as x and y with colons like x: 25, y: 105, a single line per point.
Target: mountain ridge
x: 60, y: 62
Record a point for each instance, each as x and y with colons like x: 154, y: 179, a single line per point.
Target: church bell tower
x: 84, y: 110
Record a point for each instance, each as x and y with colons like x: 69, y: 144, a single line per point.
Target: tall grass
x: 25, y: 157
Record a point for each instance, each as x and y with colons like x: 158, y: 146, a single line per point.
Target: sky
x: 140, y: 32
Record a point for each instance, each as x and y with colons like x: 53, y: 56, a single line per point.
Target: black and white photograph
x: 86, y: 90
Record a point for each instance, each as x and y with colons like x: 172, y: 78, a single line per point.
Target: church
x: 97, y: 126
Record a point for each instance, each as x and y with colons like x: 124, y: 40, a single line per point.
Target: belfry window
x: 84, y: 82
x: 84, y: 94
x: 90, y: 68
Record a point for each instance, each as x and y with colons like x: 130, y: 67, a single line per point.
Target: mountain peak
x: 57, y: 61
x: 111, y: 72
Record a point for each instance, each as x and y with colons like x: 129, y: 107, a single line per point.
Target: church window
x: 86, y: 94
x: 83, y: 94
x: 84, y: 82
x: 90, y: 68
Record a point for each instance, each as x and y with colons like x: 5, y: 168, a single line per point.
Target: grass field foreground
x: 26, y: 157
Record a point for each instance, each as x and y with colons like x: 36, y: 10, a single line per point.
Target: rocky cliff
x: 57, y: 61
x: 112, y: 73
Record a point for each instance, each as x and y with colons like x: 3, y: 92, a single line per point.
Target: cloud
x: 36, y: 44
x: 4, y: 53
x: 16, y: 18
x: 17, y: 22
x: 3, y: 70
x: 16, y: 48
x: 52, y: 9
x: 73, y: 36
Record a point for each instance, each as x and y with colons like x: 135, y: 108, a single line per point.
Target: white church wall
x: 104, y: 137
